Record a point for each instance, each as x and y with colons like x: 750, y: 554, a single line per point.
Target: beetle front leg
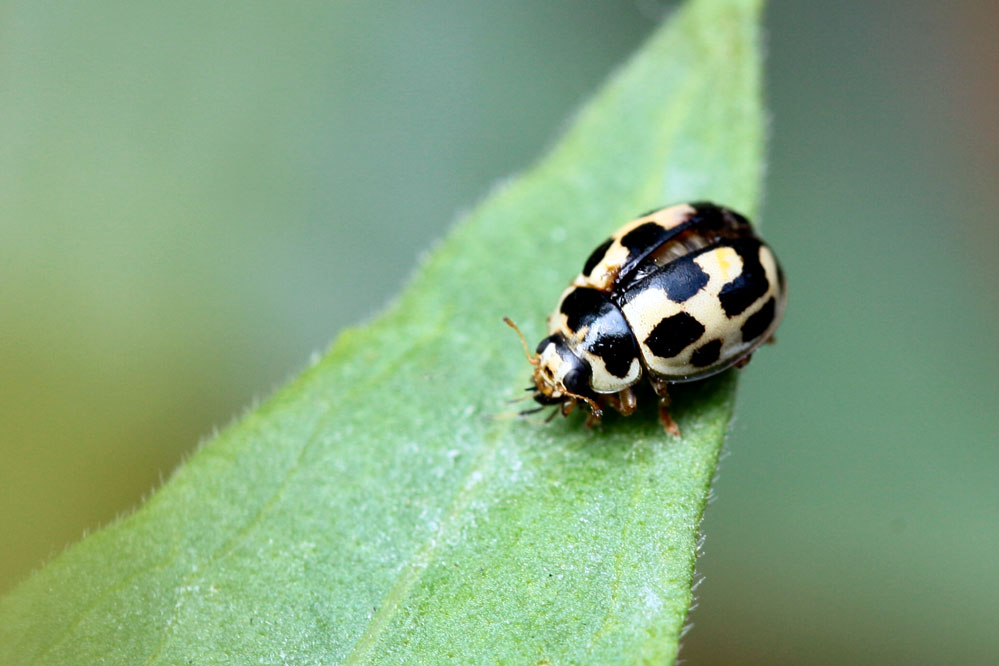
x: 660, y: 387
x: 596, y: 412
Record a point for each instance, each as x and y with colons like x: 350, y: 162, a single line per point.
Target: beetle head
x: 560, y: 376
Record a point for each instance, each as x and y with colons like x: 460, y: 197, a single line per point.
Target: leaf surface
x: 385, y: 507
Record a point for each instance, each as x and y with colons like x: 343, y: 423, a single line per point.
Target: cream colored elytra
x: 676, y: 295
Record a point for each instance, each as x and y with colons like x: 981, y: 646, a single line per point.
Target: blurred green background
x: 195, y: 196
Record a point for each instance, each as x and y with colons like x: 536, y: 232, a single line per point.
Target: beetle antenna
x: 533, y: 360
x: 532, y: 411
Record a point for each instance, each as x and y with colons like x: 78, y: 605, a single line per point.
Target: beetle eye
x: 575, y: 381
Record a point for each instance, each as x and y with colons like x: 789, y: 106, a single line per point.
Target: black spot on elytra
x: 674, y: 334
x: 706, y: 354
x: 617, y: 349
x: 609, y: 335
x: 681, y: 279
x: 643, y: 238
x: 711, y: 216
x: 750, y: 284
x: 640, y: 242
x: 759, y: 321
x: 708, y: 215
x: 582, y: 305
x: 596, y: 257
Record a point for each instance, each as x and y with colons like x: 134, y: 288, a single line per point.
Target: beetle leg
x: 567, y: 407
x: 596, y: 411
x: 623, y: 401
x: 595, y: 407
x: 660, y: 387
x: 668, y: 423
x: 743, y: 362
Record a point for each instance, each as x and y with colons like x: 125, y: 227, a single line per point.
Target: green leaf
x: 385, y: 506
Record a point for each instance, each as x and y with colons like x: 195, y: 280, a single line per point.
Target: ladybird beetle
x: 677, y: 295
